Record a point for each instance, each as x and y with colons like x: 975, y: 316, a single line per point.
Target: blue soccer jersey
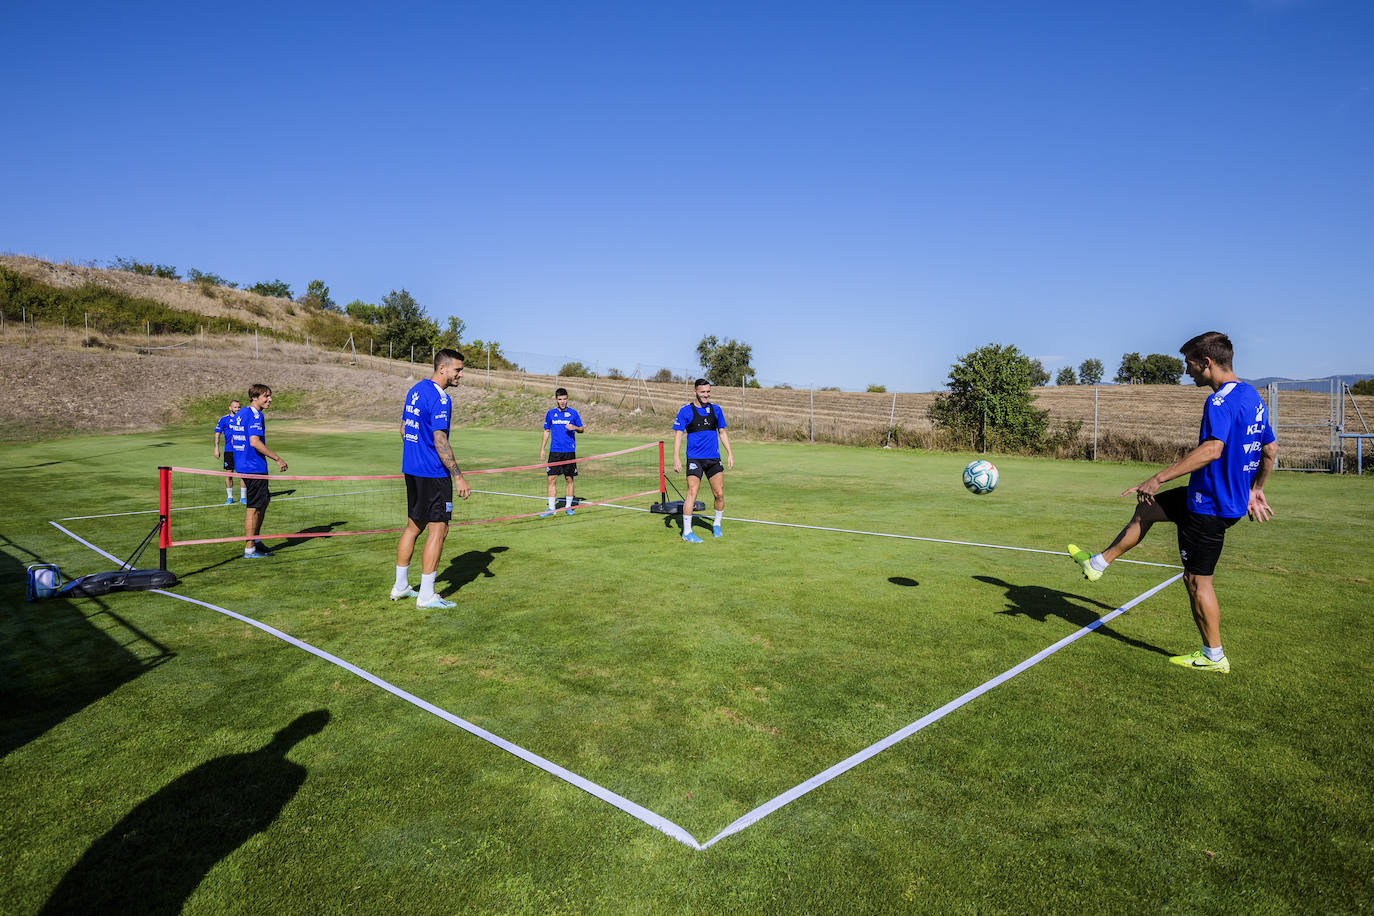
x: 1236, y: 416
x: 562, y: 439
x: 222, y: 428
x: 247, y: 423
x: 427, y: 409
x: 701, y: 443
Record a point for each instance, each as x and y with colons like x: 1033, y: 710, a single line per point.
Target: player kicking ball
x: 1227, y: 470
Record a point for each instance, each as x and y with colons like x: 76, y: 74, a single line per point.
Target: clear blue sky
x: 863, y: 192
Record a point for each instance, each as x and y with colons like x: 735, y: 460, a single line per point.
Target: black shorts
x: 258, y: 495
x: 228, y: 459
x: 429, y: 499
x: 563, y: 470
x: 704, y: 467
x: 1200, y: 537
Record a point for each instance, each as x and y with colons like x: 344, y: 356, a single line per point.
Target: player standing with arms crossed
x: 560, y: 426
x: 432, y: 477
x: 1235, y: 453
x: 703, y: 423
x: 249, y: 434
x: 222, y: 433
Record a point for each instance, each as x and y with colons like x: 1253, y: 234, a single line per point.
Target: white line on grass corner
x: 639, y: 812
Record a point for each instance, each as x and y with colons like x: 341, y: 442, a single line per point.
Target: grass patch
x: 699, y: 682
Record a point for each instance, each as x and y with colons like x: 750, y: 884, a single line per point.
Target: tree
x: 166, y: 271
x: 452, y: 336
x: 406, y: 325
x: 879, y: 389
x: 480, y: 354
x: 277, y: 288
x: 990, y: 393
x: 208, y: 278
x: 1364, y: 386
x: 317, y: 295
x: 1090, y: 372
x: 1163, y: 370
x: 363, y: 311
x: 1039, y: 378
x: 574, y: 370
x: 664, y: 375
x: 1066, y: 377
x: 725, y: 363
x: 1132, y: 369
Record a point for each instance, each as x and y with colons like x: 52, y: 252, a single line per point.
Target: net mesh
x: 304, y: 506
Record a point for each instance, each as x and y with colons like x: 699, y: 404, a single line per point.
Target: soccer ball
x: 980, y: 477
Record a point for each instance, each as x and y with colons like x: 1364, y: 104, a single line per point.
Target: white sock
x: 427, y: 586
x: 229, y: 493
x: 402, y: 578
x: 686, y: 523
x: 243, y: 492
x: 1212, y: 654
x: 1097, y: 563
x: 553, y: 502
x: 719, y: 513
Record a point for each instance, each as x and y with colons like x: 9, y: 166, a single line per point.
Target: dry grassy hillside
x: 50, y: 376
x: 215, y: 302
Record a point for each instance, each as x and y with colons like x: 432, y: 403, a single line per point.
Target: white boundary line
x: 657, y: 821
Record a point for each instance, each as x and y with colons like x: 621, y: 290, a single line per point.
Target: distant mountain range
x: 1321, y: 384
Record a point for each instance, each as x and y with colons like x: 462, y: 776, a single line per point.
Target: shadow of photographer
x: 155, y: 857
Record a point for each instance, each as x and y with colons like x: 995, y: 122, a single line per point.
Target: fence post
x: 811, y: 420
x: 1095, y: 390
x: 891, y: 418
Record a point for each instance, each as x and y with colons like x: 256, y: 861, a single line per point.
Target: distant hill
x: 1321, y: 384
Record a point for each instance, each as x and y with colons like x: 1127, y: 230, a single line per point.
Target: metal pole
x: 811, y: 427
x: 891, y: 417
x: 1095, y: 390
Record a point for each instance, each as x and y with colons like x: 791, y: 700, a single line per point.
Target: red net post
x: 164, y: 512
x: 662, y: 477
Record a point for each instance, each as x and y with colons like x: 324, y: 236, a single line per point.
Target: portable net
x: 192, y: 500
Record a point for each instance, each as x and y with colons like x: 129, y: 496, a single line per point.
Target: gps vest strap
x: 702, y: 424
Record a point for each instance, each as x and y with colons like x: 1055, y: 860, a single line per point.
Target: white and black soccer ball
x: 980, y: 477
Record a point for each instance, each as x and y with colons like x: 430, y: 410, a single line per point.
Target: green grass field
x: 141, y: 772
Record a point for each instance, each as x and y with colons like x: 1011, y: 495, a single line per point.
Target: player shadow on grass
x: 235, y: 555
x: 468, y: 567
x: 298, y: 541
x: 60, y: 655
x: 1039, y: 603
x: 157, y: 855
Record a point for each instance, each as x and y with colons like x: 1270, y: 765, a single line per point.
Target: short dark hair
x: 445, y: 355
x: 560, y: 392
x: 701, y: 381
x: 257, y: 391
x: 1214, y: 345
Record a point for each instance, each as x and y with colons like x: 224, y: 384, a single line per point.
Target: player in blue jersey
x: 561, y: 424
x: 703, y: 425
x: 224, y: 451
x: 432, y: 478
x: 1227, y: 470
x: 248, y: 435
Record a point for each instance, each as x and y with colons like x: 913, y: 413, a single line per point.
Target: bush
x: 574, y: 370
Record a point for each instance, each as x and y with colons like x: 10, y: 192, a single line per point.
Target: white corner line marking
x: 639, y: 812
